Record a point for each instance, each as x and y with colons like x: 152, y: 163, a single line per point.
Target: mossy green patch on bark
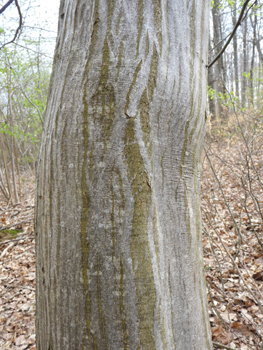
x: 118, y: 23
x: 101, y: 107
x: 137, y: 69
x: 94, y: 34
x: 147, y: 45
x: 139, y: 247
x: 113, y: 230
x: 157, y: 9
x: 153, y: 73
x: 95, y: 347
x: 104, y: 98
x: 104, y: 67
x: 122, y: 312
x: 100, y: 301
x: 144, y: 116
x: 140, y: 22
x: 150, y: 150
x: 75, y: 19
x: 110, y: 11
x: 147, y: 97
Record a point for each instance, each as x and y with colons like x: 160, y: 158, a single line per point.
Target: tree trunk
x: 245, y: 65
x: 253, y: 17
x: 212, y: 83
x: 258, y: 39
x: 218, y: 67
x: 234, y: 20
x: 118, y: 228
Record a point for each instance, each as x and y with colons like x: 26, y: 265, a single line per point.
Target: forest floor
x: 17, y: 270
x: 233, y: 255
x: 232, y: 213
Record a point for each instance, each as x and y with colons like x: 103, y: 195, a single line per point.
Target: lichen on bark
x: 141, y: 260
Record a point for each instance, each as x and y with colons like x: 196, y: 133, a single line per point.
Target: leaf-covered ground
x: 17, y: 272
x: 232, y: 196
x: 232, y: 207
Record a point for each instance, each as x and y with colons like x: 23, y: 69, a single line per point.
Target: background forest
x: 232, y: 184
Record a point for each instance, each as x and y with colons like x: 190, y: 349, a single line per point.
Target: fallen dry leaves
x: 232, y: 207
x: 17, y: 273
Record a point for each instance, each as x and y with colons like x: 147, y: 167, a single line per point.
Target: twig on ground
x: 14, y: 240
x: 6, y: 249
x: 16, y: 224
x: 221, y: 346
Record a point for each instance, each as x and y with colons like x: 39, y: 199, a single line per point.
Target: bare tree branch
x: 219, y: 43
x: 19, y: 26
x: 6, y: 6
x: 232, y: 34
x: 254, y: 3
x: 27, y: 48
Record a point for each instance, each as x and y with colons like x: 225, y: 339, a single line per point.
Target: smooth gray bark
x: 245, y: 66
x: 219, y: 66
x: 252, y: 64
x: 212, y: 83
x: 234, y: 21
x: 118, y: 228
